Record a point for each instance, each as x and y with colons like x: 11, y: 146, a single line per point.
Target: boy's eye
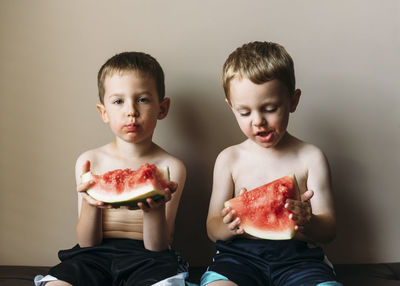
x: 143, y: 100
x: 270, y: 109
x: 118, y: 101
x: 243, y: 112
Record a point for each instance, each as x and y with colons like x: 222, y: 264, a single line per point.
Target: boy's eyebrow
x: 135, y: 94
x: 240, y: 106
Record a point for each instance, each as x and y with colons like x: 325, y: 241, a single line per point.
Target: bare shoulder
x: 311, y: 154
x: 164, y: 159
x: 307, y: 152
x: 94, y: 156
x: 228, y: 155
x: 176, y: 166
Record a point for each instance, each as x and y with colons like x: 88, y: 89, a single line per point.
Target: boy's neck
x: 133, y: 150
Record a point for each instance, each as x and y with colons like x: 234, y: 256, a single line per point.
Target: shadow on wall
x: 202, y: 129
x: 356, y: 239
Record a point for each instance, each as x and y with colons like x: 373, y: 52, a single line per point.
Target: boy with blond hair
x: 259, y: 85
x: 120, y: 246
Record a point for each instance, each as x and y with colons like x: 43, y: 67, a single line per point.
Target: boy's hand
x: 83, y: 187
x: 301, y: 210
x: 151, y: 204
x: 229, y: 218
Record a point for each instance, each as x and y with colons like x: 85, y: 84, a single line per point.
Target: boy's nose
x: 259, y: 120
x: 132, y: 111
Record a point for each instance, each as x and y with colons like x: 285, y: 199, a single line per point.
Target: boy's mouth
x: 131, y: 127
x: 265, y: 136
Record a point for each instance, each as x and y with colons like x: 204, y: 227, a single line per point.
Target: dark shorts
x: 117, y: 262
x: 270, y: 262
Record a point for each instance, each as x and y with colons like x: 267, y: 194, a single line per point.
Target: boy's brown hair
x: 132, y: 61
x: 259, y: 62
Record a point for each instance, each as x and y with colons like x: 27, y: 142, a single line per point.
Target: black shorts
x: 270, y: 262
x: 117, y: 261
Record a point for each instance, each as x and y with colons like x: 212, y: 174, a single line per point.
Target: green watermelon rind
x: 131, y: 199
x: 272, y: 235
x: 285, y: 234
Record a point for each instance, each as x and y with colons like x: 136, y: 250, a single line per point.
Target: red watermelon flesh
x: 262, y: 210
x: 127, y: 187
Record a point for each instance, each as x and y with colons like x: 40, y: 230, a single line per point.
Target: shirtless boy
x: 259, y: 85
x: 124, y: 246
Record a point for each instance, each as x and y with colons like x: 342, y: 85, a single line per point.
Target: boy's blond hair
x: 259, y: 62
x: 132, y: 61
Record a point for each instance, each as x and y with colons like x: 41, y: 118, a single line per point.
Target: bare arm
x: 220, y: 223
x: 159, y: 218
x: 315, y: 216
x: 89, y: 228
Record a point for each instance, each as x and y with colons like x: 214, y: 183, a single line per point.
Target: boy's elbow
x: 329, y: 234
x: 210, y: 231
x: 211, y: 236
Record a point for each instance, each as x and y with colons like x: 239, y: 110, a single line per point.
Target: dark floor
x: 382, y: 274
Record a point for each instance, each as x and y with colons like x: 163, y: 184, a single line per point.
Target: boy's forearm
x: 155, y: 230
x: 217, y: 230
x: 322, y: 229
x: 89, y: 228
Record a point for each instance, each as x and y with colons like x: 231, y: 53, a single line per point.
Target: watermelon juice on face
x: 131, y: 106
x: 261, y: 110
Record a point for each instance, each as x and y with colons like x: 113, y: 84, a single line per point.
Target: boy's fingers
x: 167, y: 195
x: 225, y: 211
x: 228, y: 217
x: 84, y: 186
x: 301, y: 219
x: 234, y: 225
x: 172, y: 186
x: 86, y: 167
x: 297, y: 206
x: 151, y: 203
x: 239, y: 230
x: 143, y: 206
x: 242, y: 191
x: 307, y: 196
x: 90, y: 200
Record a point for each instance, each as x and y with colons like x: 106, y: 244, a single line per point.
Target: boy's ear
x: 103, y: 112
x: 294, y: 100
x: 164, y: 107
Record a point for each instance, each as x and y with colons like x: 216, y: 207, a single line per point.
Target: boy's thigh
x: 221, y: 283
x: 147, y: 268
x: 83, y: 269
x: 239, y: 272
x: 303, y: 274
x: 57, y: 283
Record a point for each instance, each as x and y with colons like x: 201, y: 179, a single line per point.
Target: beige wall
x: 347, y: 63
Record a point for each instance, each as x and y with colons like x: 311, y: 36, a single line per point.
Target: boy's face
x: 262, y: 110
x: 131, y: 106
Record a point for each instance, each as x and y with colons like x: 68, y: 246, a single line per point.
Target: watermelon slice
x: 262, y: 210
x: 128, y: 187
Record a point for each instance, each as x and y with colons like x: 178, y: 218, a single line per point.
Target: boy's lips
x: 265, y: 136
x: 131, y: 127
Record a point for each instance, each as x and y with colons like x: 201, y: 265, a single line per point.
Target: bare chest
x: 253, y: 172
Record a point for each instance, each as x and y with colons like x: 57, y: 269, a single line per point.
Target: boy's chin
x: 266, y: 144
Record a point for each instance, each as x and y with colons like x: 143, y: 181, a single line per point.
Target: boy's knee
x: 57, y: 283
